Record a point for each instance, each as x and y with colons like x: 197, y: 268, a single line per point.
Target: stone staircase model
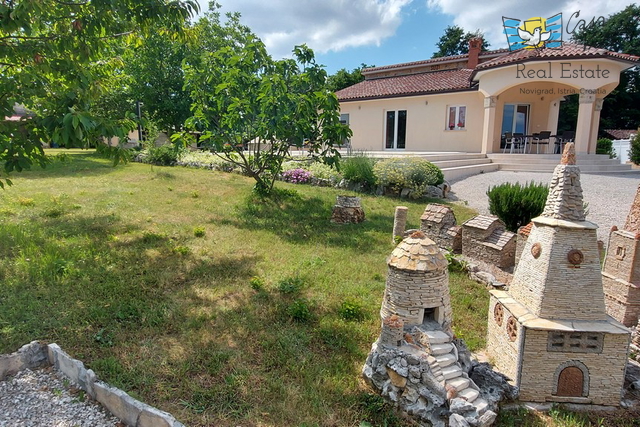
x: 446, y: 369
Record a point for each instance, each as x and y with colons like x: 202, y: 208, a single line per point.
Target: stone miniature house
x: 550, y: 332
x: 521, y: 238
x: 485, y: 238
x: 621, y: 271
x: 439, y: 223
x: 416, y: 362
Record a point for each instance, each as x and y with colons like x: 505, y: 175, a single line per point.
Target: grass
x: 180, y: 287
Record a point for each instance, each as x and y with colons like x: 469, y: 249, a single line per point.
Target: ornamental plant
x: 297, y: 176
x: 516, y: 204
x: 411, y: 173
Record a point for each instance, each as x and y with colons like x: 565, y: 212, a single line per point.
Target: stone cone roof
x: 417, y: 253
x: 633, y: 219
x: 565, y: 192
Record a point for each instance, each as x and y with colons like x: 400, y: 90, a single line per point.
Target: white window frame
x: 458, y: 108
x: 396, y: 122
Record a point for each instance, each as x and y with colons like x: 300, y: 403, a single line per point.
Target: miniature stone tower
x: 621, y: 271
x: 550, y: 333
x: 417, y: 284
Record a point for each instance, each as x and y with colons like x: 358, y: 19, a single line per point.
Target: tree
x: 343, y: 78
x: 251, y: 109
x: 54, y: 58
x: 619, y: 33
x: 455, y: 41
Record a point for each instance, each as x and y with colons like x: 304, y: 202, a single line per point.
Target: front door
x: 570, y: 382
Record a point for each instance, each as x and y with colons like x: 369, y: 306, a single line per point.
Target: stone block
x: 119, y: 403
x: 31, y: 355
x: 152, y: 417
x: 456, y: 420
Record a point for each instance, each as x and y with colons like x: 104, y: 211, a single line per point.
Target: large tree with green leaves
x: 55, y: 58
x: 455, y: 41
x: 343, y: 78
x: 619, y: 33
x: 251, y: 109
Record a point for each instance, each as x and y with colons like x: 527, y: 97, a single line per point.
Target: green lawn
x: 179, y: 287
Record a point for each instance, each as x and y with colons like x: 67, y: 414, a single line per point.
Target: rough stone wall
x: 503, y: 351
x: 508, y: 254
x: 606, y: 370
x: 565, y: 195
x: 550, y: 286
x: 520, y: 242
x: 633, y: 218
x: 622, y: 260
x: 622, y: 300
x: 408, y: 293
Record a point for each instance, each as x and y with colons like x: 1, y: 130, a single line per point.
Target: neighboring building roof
x: 408, y: 85
x: 566, y: 51
x: 483, y: 222
x: 621, y: 133
x: 455, y: 58
x: 435, y: 212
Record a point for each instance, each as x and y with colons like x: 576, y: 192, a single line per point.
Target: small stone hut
x: 550, y: 332
x: 485, y: 238
x: 417, y: 283
x: 439, y: 223
x: 416, y: 363
x: 621, y: 271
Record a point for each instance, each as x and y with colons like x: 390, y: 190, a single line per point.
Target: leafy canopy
x: 250, y: 109
x: 54, y: 58
x: 455, y: 41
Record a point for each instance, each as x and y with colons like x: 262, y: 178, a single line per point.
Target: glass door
x: 515, y: 118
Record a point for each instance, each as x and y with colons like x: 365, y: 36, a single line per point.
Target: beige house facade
x: 467, y: 103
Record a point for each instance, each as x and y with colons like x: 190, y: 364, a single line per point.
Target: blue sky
x: 346, y: 33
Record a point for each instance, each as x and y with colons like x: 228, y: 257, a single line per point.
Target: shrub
x: 359, y: 170
x: 515, y: 204
x: 297, y: 176
x: 605, y: 146
x: 165, y: 155
x: 205, y: 160
x: 410, y: 172
x: 325, y: 172
x: 634, y: 151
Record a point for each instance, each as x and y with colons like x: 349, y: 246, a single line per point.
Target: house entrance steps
x: 445, y: 367
x: 589, y: 163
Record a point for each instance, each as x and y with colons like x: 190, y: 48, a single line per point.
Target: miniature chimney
x: 475, y: 46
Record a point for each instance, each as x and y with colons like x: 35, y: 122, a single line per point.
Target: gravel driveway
x: 609, y: 195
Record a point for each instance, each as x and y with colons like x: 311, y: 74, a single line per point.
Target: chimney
x: 475, y: 46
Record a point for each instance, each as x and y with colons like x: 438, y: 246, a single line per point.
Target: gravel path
x: 609, y: 195
x: 41, y: 398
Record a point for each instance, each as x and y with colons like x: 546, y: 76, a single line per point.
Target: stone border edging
x: 130, y: 411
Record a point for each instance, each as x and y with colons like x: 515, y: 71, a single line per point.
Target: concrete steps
x: 588, y: 163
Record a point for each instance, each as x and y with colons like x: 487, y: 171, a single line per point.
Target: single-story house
x: 467, y: 103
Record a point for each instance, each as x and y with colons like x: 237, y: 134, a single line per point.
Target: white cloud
x: 486, y: 15
x: 324, y: 25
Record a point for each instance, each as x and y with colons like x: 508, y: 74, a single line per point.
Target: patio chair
x: 567, y: 136
x: 511, y: 141
x: 542, y: 139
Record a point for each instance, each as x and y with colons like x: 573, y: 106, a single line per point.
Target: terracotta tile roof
x: 567, y: 51
x: 525, y: 230
x: 621, y: 133
x: 462, y: 57
x: 413, y: 84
